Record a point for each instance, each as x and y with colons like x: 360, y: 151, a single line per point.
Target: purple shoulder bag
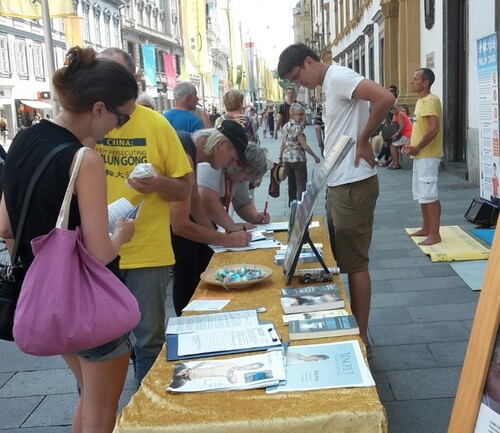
x: 69, y: 301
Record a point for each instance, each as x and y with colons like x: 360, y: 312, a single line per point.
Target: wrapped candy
x: 236, y: 275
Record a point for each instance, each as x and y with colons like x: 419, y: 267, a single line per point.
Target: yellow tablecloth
x: 344, y: 410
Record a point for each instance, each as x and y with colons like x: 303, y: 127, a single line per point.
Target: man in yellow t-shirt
x: 426, y: 149
x: 146, y: 260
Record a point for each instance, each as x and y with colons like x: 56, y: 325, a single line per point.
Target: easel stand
x: 306, y: 239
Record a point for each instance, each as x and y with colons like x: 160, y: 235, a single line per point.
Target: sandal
x: 382, y: 164
x: 394, y: 167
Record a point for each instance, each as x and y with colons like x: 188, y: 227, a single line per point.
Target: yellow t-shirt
x: 429, y: 105
x: 147, y: 137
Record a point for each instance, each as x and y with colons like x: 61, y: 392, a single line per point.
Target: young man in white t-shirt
x: 352, y: 106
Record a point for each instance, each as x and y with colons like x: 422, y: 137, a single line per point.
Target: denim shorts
x: 107, y: 351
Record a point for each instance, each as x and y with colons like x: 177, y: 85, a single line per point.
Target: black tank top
x: 26, y: 152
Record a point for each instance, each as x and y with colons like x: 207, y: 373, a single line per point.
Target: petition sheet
x: 261, y: 336
x: 208, y: 322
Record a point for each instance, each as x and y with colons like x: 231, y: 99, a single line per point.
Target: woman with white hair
x: 293, y: 151
x: 219, y: 189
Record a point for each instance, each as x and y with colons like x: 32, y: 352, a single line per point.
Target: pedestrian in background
x: 293, y: 151
x: 284, y: 110
x: 181, y: 117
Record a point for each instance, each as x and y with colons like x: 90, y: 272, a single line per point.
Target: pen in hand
x: 265, y: 210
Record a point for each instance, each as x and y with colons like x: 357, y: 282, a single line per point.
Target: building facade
x: 24, y: 73
x: 387, y: 40
x: 24, y: 84
x: 156, y: 23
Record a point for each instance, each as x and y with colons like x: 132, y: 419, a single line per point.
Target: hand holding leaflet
x: 121, y: 208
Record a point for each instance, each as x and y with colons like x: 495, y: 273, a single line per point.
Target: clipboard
x: 172, y: 352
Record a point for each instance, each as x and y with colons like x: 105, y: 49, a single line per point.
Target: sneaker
x: 377, y: 160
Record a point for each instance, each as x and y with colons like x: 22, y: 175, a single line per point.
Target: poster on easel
x: 477, y: 401
x: 304, y: 209
x: 488, y: 417
x: 488, y: 93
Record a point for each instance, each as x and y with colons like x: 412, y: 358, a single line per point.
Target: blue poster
x: 149, y: 61
x: 489, y: 147
x: 215, y: 86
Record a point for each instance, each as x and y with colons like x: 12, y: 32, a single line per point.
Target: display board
x: 488, y: 95
x: 304, y: 209
x: 477, y: 406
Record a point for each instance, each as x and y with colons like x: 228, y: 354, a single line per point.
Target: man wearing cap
x: 192, y: 229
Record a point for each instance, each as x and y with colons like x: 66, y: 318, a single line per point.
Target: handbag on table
x: 69, y: 300
x: 11, y: 276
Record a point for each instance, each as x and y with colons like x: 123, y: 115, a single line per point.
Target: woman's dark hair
x: 294, y: 55
x: 86, y: 79
x: 177, y: 380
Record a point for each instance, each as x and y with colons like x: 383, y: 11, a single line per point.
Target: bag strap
x: 29, y: 191
x: 62, y: 219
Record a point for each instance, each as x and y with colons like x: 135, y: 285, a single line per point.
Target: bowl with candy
x: 236, y: 276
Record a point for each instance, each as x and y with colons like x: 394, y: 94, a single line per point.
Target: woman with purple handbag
x: 97, y: 95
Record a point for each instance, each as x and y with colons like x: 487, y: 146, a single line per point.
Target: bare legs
x: 319, y: 135
x: 360, y: 290
x: 394, y: 155
x: 101, y: 385
x: 431, y: 214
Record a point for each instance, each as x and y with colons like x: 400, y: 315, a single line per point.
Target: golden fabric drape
x: 344, y: 410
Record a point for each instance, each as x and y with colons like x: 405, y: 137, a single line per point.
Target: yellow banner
x: 195, y: 34
x: 73, y: 31
x: 33, y: 9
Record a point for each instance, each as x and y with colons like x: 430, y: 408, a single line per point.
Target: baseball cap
x: 237, y: 136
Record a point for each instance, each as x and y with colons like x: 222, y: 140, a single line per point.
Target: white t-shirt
x: 210, y: 178
x: 344, y: 115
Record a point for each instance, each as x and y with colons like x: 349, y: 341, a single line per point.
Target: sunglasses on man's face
x: 122, y: 118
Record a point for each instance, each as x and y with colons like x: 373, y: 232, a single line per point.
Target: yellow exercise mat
x: 455, y: 244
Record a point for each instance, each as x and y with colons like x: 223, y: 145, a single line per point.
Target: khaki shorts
x: 349, y: 210
x: 425, y: 179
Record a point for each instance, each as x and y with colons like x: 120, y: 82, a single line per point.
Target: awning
x: 36, y: 104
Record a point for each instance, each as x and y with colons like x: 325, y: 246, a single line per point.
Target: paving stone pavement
x: 420, y: 321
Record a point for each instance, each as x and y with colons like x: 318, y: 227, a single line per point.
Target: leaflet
x: 281, y: 226
x: 206, y: 305
x: 254, y: 245
x: 209, y: 322
x: 245, y: 372
x: 121, y: 208
x: 329, y: 365
x: 233, y: 339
